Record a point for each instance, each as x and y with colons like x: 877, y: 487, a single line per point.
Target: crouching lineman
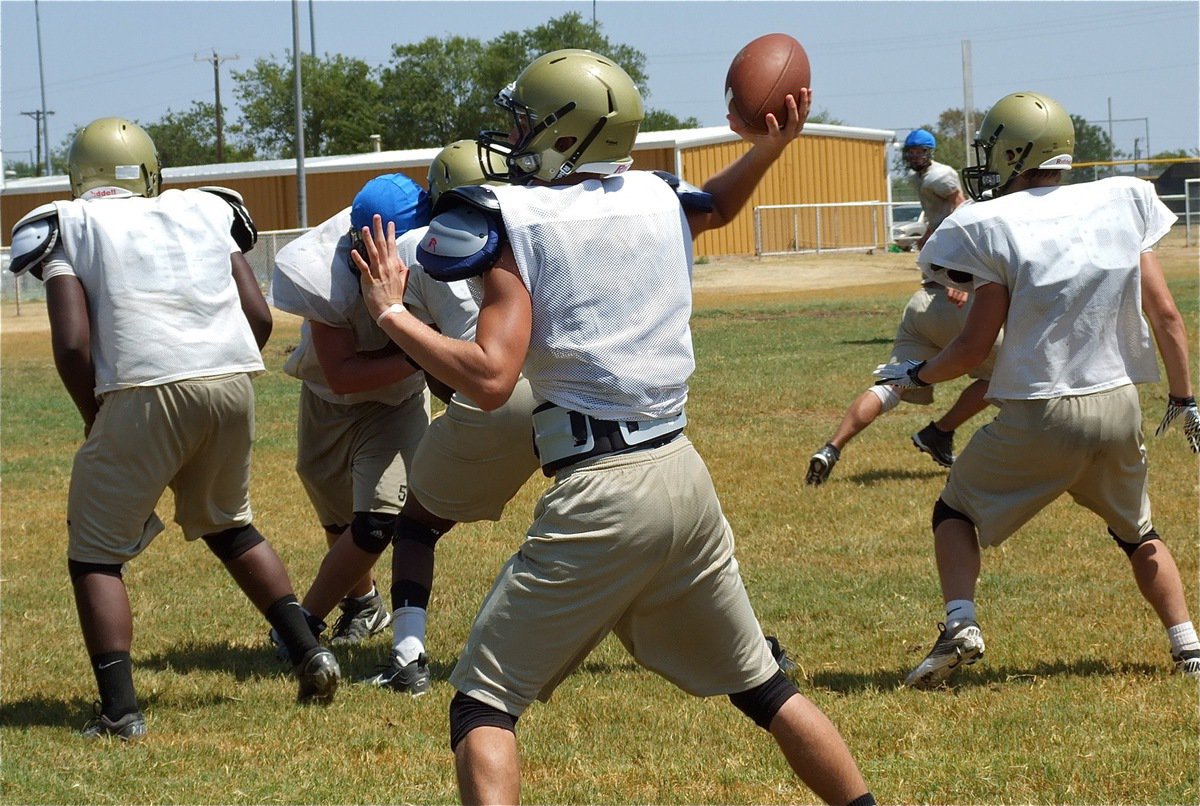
x: 156, y: 322
x: 363, y: 406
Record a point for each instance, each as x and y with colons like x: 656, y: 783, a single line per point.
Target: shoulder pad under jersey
x: 691, y: 198
x: 243, y: 229
x: 480, y: 197
x: 461, y: 242
x: 32, y: 238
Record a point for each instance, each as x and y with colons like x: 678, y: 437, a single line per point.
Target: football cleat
x: 1187, y: 662
x: 409, y: 677
x: 960, y: 644
x: 318, y: 675
x: 821, y: 465
x: 938, y: 444
x: 360, y: 619
x: 128, y: 728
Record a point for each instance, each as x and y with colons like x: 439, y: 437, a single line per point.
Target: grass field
x: 1074, y: 702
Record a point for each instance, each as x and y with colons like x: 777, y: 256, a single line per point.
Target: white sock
x: 1183, y: 636
x: 959, y: 610
x: 408, y: 634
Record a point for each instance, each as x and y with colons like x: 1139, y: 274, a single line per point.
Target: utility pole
x: 968, y: 105
x: 298, y: 99
x: 37, y: 18
x: 312, y: 30
x: 38, y: 116
x: 216, y: 63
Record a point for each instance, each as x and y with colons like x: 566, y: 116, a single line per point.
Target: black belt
x: 607, y: 438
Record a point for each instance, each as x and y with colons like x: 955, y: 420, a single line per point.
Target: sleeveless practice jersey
x: 161, y: 298
x: 313, y: 279
x: 1086, y: 241
x: 610, y: 277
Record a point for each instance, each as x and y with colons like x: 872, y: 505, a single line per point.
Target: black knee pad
x: 410, y: 529
x: 763, y: 702
x: 1130, y: 548
x: 468, y: 713
x: 373, y: 531
x: 233, y: 543
x: 78, y: 569
x: 944, y: 512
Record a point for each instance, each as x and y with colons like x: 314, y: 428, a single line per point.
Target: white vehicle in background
x: 908, y: 225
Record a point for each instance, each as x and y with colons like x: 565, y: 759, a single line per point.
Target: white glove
x: 902, y: 376
x: 1182, y: 407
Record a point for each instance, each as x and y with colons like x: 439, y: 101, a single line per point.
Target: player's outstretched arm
x: 1170, y: 334
x: 71, y: 339
x: 732, y: 185
x: 1167, y: 323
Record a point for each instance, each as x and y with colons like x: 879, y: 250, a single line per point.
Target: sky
x: 879, y: 65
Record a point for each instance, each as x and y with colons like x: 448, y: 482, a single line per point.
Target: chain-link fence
x: 261, y: 258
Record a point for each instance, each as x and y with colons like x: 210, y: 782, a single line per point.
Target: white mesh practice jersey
x: 1069, y: 257
x: 161, y: 298
x: 608, y: 266
x: 935, y: 188
x: 313, y: 279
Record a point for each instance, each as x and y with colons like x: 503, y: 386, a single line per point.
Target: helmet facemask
x: 918, y: 158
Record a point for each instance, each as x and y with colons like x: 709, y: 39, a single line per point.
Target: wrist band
x: 395, y: 307
x: 915, y: 374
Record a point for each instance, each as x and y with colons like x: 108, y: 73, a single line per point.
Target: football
x: 761, y: 74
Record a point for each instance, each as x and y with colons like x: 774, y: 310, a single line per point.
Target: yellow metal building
x: 827, y: 164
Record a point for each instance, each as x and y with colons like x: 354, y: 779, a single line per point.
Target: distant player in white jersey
x: 1068, y: 271
x: 363, y: 405
x: 586, y: 272
x: 157, y: 323
x: 933, y: 316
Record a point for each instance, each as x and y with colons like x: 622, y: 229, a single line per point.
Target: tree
x: 435, y: 93
x: 1092, y: 143
x: 441, y: 90
x: 659, y: 120
x: 190, y: 138
x: 342, y: 106
x: 824, y: 116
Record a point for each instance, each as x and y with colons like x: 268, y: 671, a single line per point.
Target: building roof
x: 420, y: 157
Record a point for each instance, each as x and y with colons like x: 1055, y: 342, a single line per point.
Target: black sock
x: 407, y: 593
x: 940, y: 432
x: 289, y: 620
x: 114, y: 677
x: 863, y: 800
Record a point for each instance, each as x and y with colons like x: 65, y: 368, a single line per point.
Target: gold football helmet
x: 1024, y: 131
x: 574, y: 111
x: 114, y: 152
